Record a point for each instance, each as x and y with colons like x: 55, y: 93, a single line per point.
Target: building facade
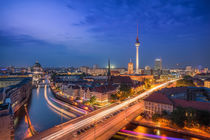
x: 38, y: 72
x: 207, y: 83
x: 157, y: 103
x: 5, y: 82
x: 130, y: 68
x: 11, y: 99
x: 158, y: 64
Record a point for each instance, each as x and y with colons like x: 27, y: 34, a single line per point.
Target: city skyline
x: 105, y: 70
x: 75, y: 33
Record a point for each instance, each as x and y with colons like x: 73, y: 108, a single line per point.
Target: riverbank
x: 39, y: 112
x: 18, y: 106
x: 68, y: 100
x: 14, y: 97
x: 151, y: 124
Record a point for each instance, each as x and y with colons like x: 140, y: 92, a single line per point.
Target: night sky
x: 87, y: 32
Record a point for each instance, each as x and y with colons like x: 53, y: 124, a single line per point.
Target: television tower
x: 137, y: 44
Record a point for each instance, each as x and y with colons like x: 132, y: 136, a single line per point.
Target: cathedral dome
x: 37, y: 64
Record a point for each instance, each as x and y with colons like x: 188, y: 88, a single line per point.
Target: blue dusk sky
x: 87, y: 32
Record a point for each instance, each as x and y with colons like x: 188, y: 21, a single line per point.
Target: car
x: 85, y: 128
x: 78, y: 132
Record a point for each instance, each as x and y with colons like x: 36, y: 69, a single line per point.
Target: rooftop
x: 104, y: 88
x: 24, y: 81
x: 11, y: 79
x: 192, y: 104
x: 121, y: 79
x: 159, y: 98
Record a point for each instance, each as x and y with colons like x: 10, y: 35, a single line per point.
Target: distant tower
x: 137, y: 44
x: 130, y: 67
x: 158, y: 64
x: 109, y: 71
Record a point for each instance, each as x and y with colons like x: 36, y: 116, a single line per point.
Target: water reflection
x: 28, y: 132
x: 59, y: 113
x: 136, y: 132
x: 37, y: 90
x: 41, y: 115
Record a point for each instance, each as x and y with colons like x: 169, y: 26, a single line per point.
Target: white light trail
x: 70, y: 128
x: 55, y: 107
x: 70, y: 107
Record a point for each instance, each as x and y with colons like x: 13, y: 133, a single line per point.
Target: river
x: 138, y: 132
x: 41, y: 114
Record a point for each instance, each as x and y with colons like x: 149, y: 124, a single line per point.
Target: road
x: 56, y: 107
x: 72, y: 127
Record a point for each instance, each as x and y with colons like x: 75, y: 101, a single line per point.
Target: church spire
x: 109, y: 71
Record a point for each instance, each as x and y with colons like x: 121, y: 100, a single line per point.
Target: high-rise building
x: 158, y: 64
x: 137, y: 44
x: 205, y: 70
x: 130, y: 67
x: 188, y: 68
x: 109, y: 67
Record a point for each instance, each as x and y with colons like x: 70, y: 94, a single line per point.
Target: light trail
x: 59, y: 113
x: 70, y: 128
x: 55, y: 107
x: 81, y: 111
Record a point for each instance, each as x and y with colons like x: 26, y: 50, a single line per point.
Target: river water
x: 42, y: 116
x: 138, y: 132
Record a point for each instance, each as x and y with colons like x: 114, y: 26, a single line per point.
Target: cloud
x: 43, y: 20
x: 103, y: 28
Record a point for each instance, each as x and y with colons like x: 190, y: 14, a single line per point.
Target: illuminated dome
x: 37, y: 68
x: 37, y: 64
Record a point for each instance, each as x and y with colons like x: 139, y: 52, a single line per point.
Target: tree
x: 187, y: 77
x: 77, y: 98
x: 114, y: 97
x: 203, y: 117
x: 190, y: 114
x: 187, y: 81
x: 83, y: 75
x: 147, y: 83
x: 125, y: 88
x: 155, y: 117
x: 178, y: 117
x: 53, y: 76
x: 93, y: 99
x: 164, y: 113
x: 125, y: 91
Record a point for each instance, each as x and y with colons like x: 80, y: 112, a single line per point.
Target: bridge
x: 102, y: 124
